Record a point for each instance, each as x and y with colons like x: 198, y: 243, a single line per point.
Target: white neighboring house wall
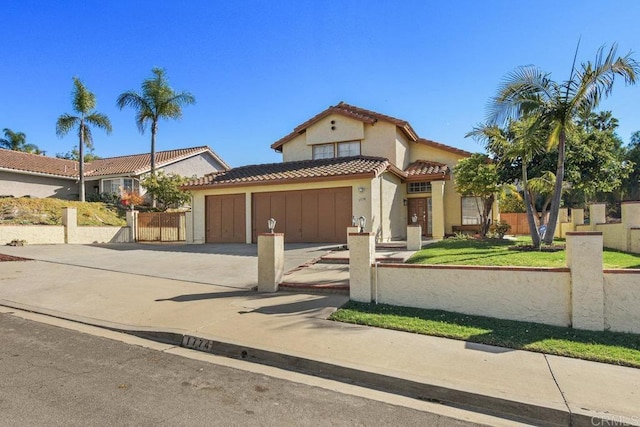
x: 198, y: 166
x: 40, y: 186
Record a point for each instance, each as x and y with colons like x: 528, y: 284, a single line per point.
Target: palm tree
x: 84, y: 103
x: 17, y: 141
x: 157, y: 100
x: 528, y: 91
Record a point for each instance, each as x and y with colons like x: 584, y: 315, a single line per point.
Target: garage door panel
x: 224, y: 217
x: 310, y: 216
x: 314, y: 216
x: 293, y: 216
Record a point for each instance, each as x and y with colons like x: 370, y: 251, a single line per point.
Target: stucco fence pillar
x: 70, y: 223
x: 597, y: 214
x: 414, y: 237
x: 132, y: 223
x: 362, y: 254
x: 188, y: 232
x: 437, y: 209
x: 349, y: 231
x: 584, y: 258
x: 270, y: 261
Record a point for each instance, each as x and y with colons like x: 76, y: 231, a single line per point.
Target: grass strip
x: 601, y: 346
x: 495, y: 252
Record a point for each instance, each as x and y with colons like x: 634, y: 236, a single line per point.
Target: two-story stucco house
x: 344, y: 162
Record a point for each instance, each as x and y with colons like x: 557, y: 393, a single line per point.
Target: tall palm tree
x: 84, y: 103
x: 157, y: 100
x: 17, y: 141
x: 528, y: 91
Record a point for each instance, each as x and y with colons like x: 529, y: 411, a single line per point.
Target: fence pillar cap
x: 584, y: 233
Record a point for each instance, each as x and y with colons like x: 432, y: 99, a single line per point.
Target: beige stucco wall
x: 32, y: 234
x: 87, y: 235
x: 344, y: 129
x: 392, y: 211
x: 622, y: 301
x: 296, y: 149
x: 403, y: 155
x: 634, y: 240
x: 380, y: 141
x: 21, y: 185
x: 361, y: 202
x: 532, y: 295
x: 614, y: 235
x: 198, y: 166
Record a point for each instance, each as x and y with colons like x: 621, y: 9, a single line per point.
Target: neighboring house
x: 344, y: 162
x: 23, y: 174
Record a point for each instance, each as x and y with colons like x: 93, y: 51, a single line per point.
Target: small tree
x: 476, y: 176
x: 165, y: 189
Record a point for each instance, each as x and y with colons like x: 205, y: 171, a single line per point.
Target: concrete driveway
x: 230, y: 265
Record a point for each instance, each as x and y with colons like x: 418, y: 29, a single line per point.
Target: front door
x: 418, y: 207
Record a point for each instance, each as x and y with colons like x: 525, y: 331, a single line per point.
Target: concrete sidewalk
x: 291, y: 330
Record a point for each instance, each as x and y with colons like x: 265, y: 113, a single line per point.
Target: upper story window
x: 323, y: 151
x: 348, y: 149
x: 343, y: 149
x: 419, y: 187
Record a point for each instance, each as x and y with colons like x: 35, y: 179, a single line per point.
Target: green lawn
x: 496, y: 252
x: 608, y: 347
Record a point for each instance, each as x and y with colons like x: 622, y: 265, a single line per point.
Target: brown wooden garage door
x: 309, y: 216
x: 225, y: 219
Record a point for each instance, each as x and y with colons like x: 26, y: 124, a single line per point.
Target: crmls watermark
x: 615, y: 421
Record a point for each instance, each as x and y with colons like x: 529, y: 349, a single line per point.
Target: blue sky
x: 260, y: 68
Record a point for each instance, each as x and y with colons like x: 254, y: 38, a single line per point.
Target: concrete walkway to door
x: 230, y: 264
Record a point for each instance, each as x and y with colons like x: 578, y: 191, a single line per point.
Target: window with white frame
x: 115, y: 185
x: 111, y: 185
x: 419, y: 187
x: 323, y: 151
x: 348, y: 149
x: 131, y: 185
x: 471, y: 210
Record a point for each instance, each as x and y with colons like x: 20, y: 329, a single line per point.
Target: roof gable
x: 361, y: 114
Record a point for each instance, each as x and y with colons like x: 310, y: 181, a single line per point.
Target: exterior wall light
x: 361, y: 223
x: 404, y: 202
x: 271, y: 223
x: 361, y: 189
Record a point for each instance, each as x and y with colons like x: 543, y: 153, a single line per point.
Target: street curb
x: 510, y: 409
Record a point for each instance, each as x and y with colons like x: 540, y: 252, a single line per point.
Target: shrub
x: 500, y: 228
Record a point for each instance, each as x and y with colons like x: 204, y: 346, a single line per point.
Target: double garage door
x: 306, y: 216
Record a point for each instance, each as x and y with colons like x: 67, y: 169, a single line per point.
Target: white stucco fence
x: 32, y: 234
x: 530, y: 295
x: 67, y: 233
x: 581, y: 295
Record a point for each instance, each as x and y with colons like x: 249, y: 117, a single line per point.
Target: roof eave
x: 371, y: 174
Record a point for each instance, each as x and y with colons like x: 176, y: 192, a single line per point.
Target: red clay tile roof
x: 366, y: 116
x: 422, y: 170
x: 35, y: 163
x: 134, y: 164
x: 304, y: 170
x: 140, y: 163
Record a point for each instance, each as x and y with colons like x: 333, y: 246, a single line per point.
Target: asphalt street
x: 54, y: 376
